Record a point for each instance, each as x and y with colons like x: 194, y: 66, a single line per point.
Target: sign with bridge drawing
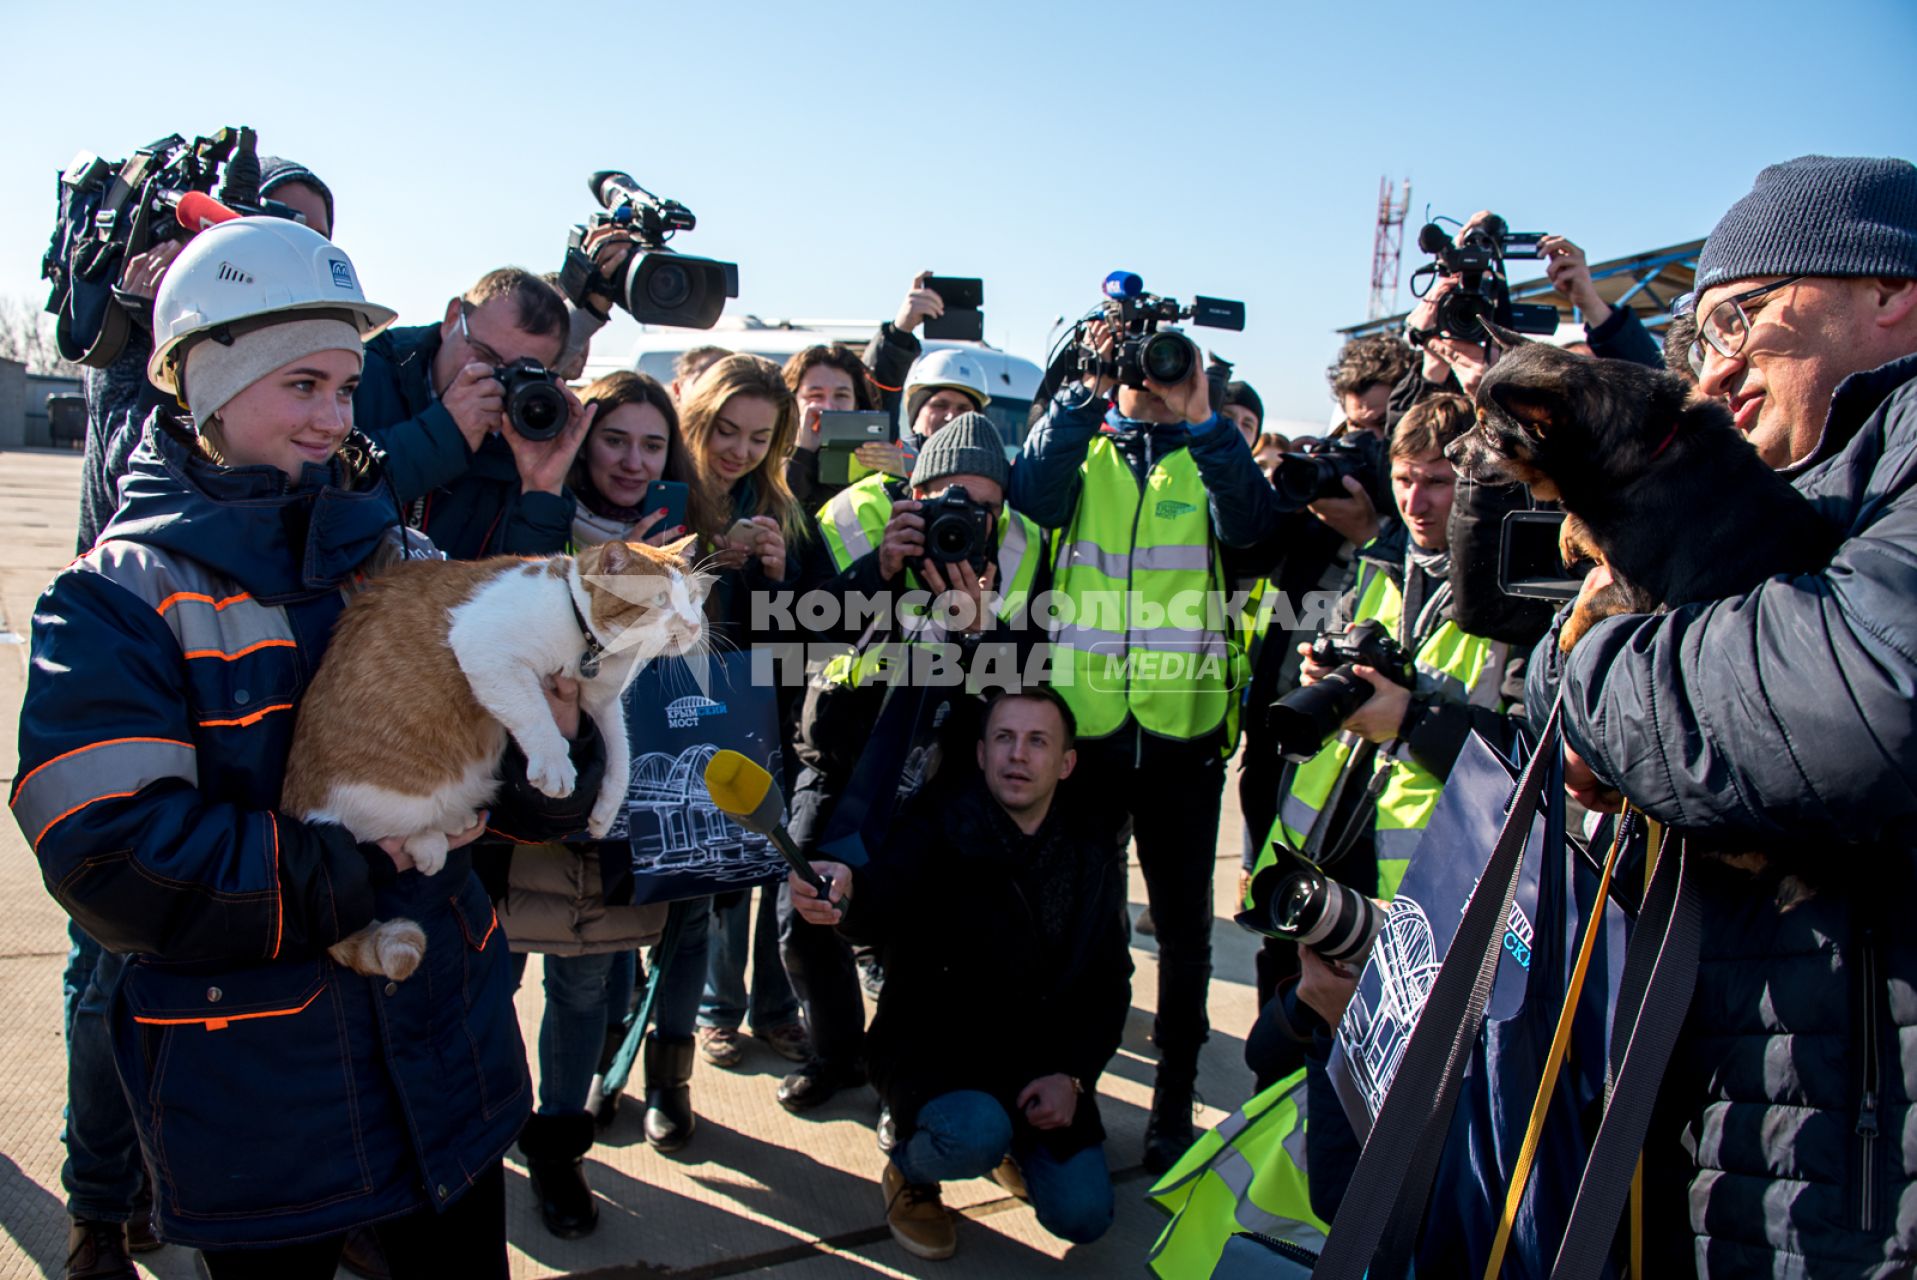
x: 684, y: 846
x: 1404, y: 962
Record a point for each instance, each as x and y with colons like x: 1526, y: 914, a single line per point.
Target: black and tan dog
x: 1660, y: 487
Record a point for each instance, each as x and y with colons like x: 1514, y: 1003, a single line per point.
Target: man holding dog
x: 1782, y: 723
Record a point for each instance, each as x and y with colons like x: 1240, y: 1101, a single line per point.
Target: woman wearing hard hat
x: 280, y: 1098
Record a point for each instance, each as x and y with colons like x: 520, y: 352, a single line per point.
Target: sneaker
x: 721, y: 1046
x: 97, y: 1251
x: 788, y: 1040
x: 917, y: 1218
x: 1008, y: 1176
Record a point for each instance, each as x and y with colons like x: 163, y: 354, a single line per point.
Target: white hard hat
x: 251, y: 267
x: 953, y: 367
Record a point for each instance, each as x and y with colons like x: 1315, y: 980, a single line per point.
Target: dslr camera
x: 1145, y: 349
x: 1296, y: 902
x: 1481, y: 292
x: 1304, y: 719
x: 958, y: 529
x: 109, y: 211
x: 656, y: 285
x: 535, y: 405
x: 1317, y: 469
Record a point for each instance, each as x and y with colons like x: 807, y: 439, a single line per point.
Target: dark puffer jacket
x: 1786, y: 720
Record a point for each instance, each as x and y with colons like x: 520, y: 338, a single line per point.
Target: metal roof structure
x: 1649, y: 283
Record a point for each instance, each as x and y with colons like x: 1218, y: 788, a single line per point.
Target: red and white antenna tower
x: 1392, y: 203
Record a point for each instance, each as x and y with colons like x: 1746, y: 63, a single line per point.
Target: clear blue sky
x: 1229, y: 149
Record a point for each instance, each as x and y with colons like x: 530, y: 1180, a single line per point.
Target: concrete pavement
x: 756, y: 1190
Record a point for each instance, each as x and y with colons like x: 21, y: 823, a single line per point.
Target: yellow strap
x: 1653, y: 848
x: 1560, y: 1045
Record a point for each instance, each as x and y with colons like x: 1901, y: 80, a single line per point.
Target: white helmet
x: 249, y: 267
x: 953, y: 367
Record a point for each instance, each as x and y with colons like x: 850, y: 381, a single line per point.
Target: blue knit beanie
x: 1819, y: 216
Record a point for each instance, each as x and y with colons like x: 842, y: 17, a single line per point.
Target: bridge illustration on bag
x: 676, y: 828
x: 1375, y: 1036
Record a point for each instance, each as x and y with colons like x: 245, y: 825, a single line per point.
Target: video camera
x: 110, y: 211
x: 1145, y: 349
x: 656, y: 285
x: 1317, y: 469
x: 1294, y: 901
x: 1303, y: 720
x: 1481, y: 294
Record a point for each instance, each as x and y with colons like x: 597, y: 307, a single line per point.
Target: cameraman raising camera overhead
x: 433, y: 399
x: 1146, y: 490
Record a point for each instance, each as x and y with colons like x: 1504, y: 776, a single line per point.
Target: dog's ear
x: 1533, y: 408
x: 1507, y: 339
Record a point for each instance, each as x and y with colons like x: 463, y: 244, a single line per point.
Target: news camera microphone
x: 612, y: 188
x: 197, y: 211
x: 1124, y: 284
x: 240, y: 184
x: 746, y: 792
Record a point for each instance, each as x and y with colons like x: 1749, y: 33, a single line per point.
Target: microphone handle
x: 800, y: 864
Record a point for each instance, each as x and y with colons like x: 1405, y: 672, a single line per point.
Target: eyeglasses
x: 480, y: 349
x: 1728, y: 326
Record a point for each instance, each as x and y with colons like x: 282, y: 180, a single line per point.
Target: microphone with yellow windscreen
x: 746, y: 792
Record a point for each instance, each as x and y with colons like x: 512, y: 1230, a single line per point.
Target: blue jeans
x: 966, y: 1134
x: 735, y: 928
x: 587, y: 994
x: 102, y: 1172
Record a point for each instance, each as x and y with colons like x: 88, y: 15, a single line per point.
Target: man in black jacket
x: 429, y: 399
x: 1007, y: 984
x: 1782, y: 721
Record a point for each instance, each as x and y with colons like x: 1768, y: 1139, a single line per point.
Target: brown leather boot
x: 917, y: 1217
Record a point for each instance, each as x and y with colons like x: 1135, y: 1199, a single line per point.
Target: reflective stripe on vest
x: 1450, y: 663
x: 853, y: 523
x: 1138, y: 571
x: 1248, y: 1174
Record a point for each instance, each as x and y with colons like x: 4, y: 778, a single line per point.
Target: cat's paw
x: 552, y: 775
x: 400, y: 946
x: 428, y: 851
x: 385, y: 948
x: 604, y: 814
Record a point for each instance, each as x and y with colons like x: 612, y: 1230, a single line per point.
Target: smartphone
x: 670, y: 494
x: 963, y: 321
x: 1529, y: 564
x: 841, y: 432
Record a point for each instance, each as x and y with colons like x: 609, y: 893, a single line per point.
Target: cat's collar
x: 589, y: 660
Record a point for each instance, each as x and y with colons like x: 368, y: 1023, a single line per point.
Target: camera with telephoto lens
x: 1296, y: 902
x: 535, y: 405
x: 1481, y: 292
x: 656, y: 285
x: 957, y: 529
x: 1303, y: 720
x: 111, y: 211
x: 1317, y: 469
x: 1144, y: 348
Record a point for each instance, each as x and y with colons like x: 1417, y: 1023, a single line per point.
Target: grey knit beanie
x: 1819, y: 216
x: 968, y: 445
x: 277, y: 171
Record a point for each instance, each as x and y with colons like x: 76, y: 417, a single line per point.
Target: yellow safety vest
x: 1462, y: 664
x: 1139, y: 629
x: 1248, y: 1174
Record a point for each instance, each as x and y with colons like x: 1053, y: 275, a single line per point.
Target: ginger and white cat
x: 436, y: 662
